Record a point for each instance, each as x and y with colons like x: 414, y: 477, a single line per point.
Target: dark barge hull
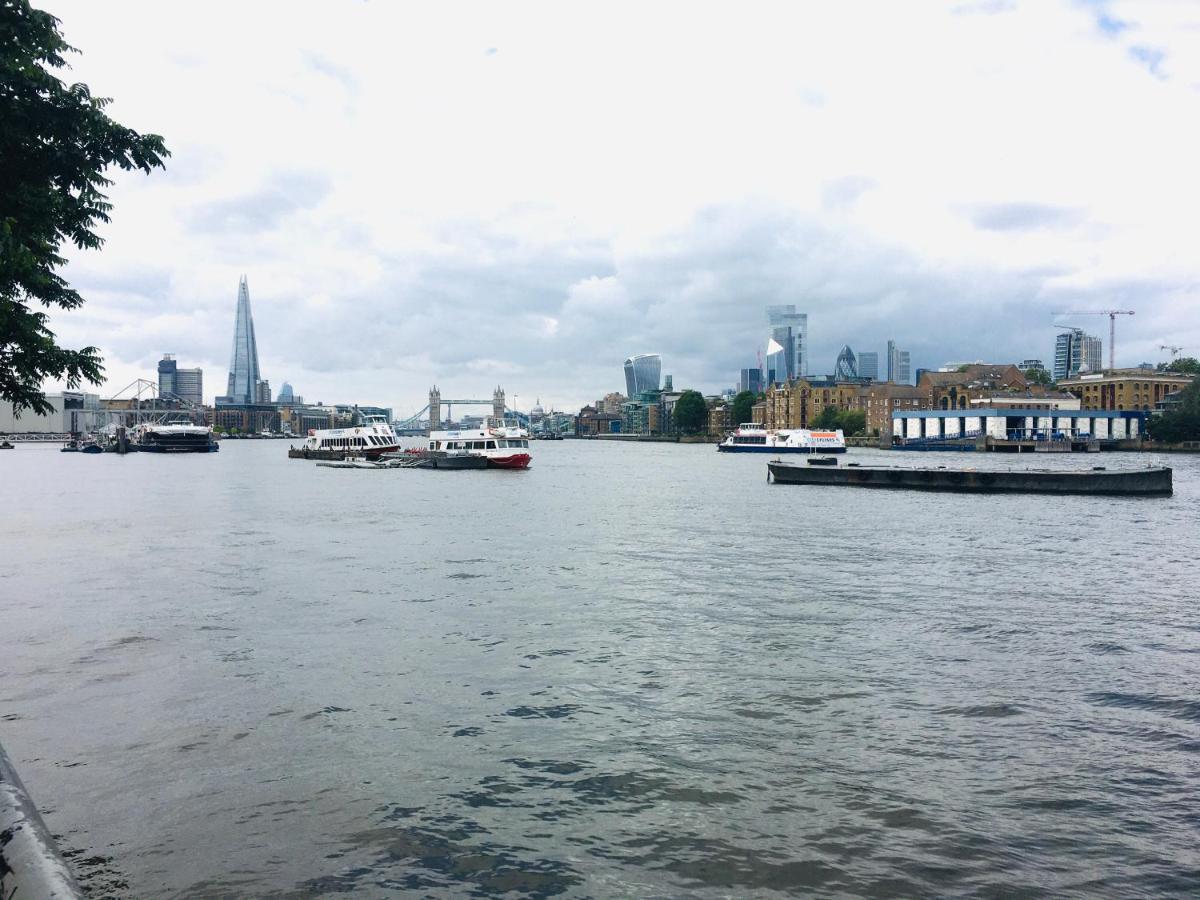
x: 1148, y: 482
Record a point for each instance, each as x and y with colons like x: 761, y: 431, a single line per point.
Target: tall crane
x: 1112, y: 326
x: 1174, y: 350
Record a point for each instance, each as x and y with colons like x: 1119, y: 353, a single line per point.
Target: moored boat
x: 752, y: 438
x: 149, y: 437
x: 371, y: 439
x: 1149, y: 481
x: 504, y: 444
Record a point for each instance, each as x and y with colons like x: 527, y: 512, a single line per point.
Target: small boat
x: 752, y: 438
x: 353, y: 462
x: 90, y: 447
x: 5, y: 445
x: 71, y: 446
x: 1149, y: 481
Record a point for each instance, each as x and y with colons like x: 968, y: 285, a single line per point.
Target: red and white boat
x: 504, y: 443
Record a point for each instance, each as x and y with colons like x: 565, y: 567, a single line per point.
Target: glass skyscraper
x: 868, y: 365
x: 642, y: 373
x: 846, y: 368
x: 787, y: 346
x: 244, y: 376
x: 1075, y: 351
x: 899, y: 365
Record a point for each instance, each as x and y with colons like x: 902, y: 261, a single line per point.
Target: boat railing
x: 30, y: 864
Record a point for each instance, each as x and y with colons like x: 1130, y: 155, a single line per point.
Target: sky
x: 524, y: 194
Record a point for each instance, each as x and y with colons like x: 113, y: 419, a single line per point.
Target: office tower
x: 787, y: 344
x: 868, y: 365
x: 750, y: 380
x: 899, y: 364
x: 286, y: 395
x: 846, y: 367
x: 244, y: 376
x: 166, y: 376
x: 642, y: 373
x: 262, y: 392
x: 189, y: 386
x: 175, y: 383
x: 1075, y: 352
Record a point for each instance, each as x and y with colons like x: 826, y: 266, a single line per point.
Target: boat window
x: 491, y: 445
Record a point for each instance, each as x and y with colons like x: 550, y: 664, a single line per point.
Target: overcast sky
x: 525, y: 194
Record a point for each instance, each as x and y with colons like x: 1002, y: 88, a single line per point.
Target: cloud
x: 1023, y: 216
x: 412, y: 208
x: 262, y: 209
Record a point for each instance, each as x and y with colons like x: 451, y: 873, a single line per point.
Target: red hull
x: 514, y: 461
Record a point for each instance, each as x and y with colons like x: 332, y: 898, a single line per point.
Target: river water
x: 634, y: 670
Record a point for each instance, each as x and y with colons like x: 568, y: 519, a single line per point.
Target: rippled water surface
x: 630, y: 671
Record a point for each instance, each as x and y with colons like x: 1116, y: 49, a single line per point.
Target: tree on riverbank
x: 55, y: 145
x: 691, y: 412
x: 851, y: 421
x: 1182, y: 424
x: 742, y: 408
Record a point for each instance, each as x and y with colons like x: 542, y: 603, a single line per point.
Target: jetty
x: 1152, y: 481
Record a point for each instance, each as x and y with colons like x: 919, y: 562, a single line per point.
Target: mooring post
x: 30, y: 865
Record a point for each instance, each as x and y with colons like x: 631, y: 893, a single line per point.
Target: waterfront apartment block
x: 1121, y: 389
x: 881, y: 400
x: 796, y: 403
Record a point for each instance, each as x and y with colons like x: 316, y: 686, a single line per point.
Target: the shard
x: 243, y: 363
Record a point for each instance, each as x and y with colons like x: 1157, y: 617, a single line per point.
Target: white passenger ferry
x: 373, y: 437
x: 504, y: 443
x: 752, y: 438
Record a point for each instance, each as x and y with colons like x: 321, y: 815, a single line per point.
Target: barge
x: 1153, y: 481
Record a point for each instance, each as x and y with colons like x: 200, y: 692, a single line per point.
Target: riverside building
x: 1122, y: 389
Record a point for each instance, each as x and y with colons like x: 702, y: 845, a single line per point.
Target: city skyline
x: 958, y: 242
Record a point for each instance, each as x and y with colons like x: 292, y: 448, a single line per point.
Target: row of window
x: 352, y: 442
x: 479, y: 445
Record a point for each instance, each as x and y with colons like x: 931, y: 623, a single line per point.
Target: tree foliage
x: 691, y: 412
x: 742, y: 408
x: 1038, y: 376
x: 850, y: 421
x: 55, y: 145
x: 1185, y: 365
x: 1182, y: 424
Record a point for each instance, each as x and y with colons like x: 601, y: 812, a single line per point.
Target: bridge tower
x: 498, y: 403
x: 435, y: 409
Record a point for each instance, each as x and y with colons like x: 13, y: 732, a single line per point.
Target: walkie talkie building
x: 642, y: 373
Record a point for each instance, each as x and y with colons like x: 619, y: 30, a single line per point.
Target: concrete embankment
x: 29, y: 862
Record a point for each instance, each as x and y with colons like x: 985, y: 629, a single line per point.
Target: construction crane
x: 1174, y: 350
x: 1112, y: 326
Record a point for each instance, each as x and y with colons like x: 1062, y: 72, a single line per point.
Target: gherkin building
x: 847, y: 366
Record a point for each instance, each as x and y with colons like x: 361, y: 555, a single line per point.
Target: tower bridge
x: 436, y: 402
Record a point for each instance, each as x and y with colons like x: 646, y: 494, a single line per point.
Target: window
x: 491, y: 445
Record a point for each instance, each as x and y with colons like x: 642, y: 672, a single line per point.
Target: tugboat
x: 503, y: 443
x: 752, y: 438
